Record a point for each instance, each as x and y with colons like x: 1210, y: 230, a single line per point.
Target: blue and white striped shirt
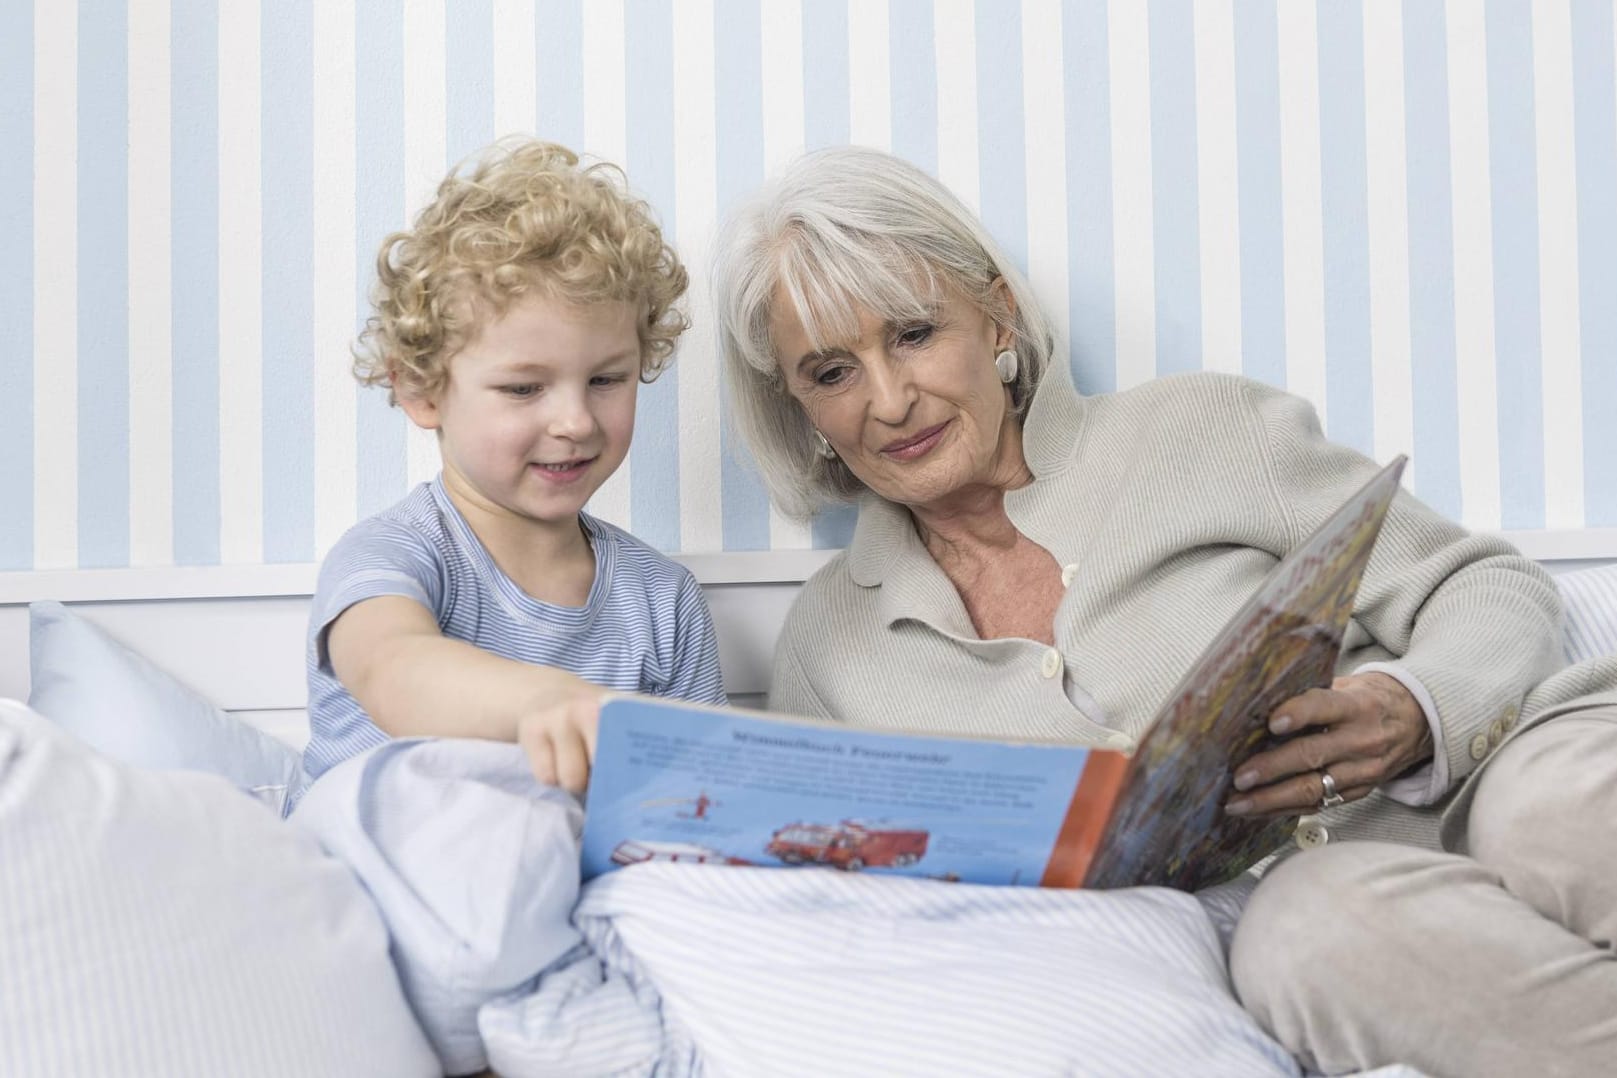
x: 644, y: 628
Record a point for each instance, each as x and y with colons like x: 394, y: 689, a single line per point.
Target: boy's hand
x: 559, y: 738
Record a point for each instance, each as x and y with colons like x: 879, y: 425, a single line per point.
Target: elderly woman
x: 1032, y: 563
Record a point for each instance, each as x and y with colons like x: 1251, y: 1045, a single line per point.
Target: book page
x: 680, y: 783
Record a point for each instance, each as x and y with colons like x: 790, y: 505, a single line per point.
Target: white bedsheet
x: 669, y: 969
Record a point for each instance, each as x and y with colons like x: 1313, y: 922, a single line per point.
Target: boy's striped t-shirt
x: 644, y: 627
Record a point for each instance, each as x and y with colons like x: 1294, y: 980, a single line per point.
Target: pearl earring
x: 823, y: 447
x: 1006, y: 364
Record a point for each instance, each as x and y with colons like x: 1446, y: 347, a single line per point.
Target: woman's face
x: 916, y: 410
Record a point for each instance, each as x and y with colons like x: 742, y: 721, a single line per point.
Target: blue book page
x: 673, y: 782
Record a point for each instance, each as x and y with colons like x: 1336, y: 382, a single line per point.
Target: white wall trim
x: 735, y: 567
x: 252, y: 581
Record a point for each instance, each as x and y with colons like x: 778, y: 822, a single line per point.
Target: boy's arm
x: 413, y: 681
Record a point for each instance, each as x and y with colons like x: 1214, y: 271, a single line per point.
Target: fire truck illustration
x: 850, y: 845
x: 636, y: 851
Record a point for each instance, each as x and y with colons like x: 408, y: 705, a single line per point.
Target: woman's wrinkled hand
x: 1365, y: 730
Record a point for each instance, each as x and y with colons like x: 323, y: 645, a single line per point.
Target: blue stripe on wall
x: 1002, y: 134
x: 827, y: 122
x: 1512, y: 139
x: 913, y: 77
x: 559, y: 70
x: 649, y: 68
x: 1344, y: 199
x: 287, y: 168
x: 825, y: 74
x: 103, y: 285
x: 17, y: 299
x: 380, y: 209
x: 194, y: 183
x: 1594, y: 88
x: 1092, y: 300
x: 1175, y: 208
x: 1431, y: 259
x: 469, y: 77
x: 738, y: 119
x: 1257, y: 136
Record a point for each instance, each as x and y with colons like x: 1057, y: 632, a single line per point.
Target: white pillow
x: 160, y: 923
x: 1590, y: 596
x: 123, y: 706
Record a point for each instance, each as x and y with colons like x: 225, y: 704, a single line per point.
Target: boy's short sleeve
x: 694, y: 672
x: 376, y: 557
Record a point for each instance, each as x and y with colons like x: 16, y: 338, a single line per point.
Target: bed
x: 159, y: 922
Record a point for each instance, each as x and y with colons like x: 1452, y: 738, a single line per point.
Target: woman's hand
x: 559, y: 737
x: 1366, y: 729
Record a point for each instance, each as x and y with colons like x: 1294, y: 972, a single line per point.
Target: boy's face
x: 538, y: 410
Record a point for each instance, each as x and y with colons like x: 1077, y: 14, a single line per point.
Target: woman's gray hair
x: 841, y: 231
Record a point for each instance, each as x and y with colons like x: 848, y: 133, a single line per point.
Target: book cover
x: 678, y: 782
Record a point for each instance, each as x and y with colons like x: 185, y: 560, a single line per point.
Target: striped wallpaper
x: 1404, y: 211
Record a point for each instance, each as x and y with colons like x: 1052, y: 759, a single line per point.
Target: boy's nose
x: 572, y: 419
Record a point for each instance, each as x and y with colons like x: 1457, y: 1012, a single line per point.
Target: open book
x: 676, y: 782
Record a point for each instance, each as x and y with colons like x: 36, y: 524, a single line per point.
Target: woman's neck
x: 971, y: 523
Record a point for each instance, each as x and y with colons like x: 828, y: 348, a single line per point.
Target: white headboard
x: 235, y: 633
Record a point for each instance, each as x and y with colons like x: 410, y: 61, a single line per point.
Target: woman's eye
x: 914, y: 335
x: 830, y: 376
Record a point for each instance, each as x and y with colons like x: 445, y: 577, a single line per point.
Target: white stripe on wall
x: 335, y: 284
x: 1216, y: 175
x: 1473, y: 266
x: 781, y: 45
x: 426, y: 157
x: 1387, y: 203
x: 701, y: 497
x: 516, y: 82
x: 606, y: 136
x: 1133, y: 218
x: 955, y: 42
x: 151, y: 430
x: 161, y: 33
x: 1301, y: 204
x: 870, y: 92
x: 1561, y: 351
x: 1045, y: 132
x: 56, y: 335
x: 241, y: 322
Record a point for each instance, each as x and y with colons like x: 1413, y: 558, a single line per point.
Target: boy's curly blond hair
x: 521, y: 215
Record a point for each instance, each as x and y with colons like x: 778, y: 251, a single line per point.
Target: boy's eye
x: 522, y: 390
x: 914, y: 335
x: 601, y: 381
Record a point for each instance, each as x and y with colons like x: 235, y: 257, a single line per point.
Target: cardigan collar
x: 886, y: 552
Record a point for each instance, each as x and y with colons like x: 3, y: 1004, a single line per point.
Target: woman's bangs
x: 831, y: 287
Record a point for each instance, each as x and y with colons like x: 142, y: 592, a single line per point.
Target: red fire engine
x: 850, y: 845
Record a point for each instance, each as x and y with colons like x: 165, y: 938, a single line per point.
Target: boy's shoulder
x: 415, y: 521
x: 639, y: 557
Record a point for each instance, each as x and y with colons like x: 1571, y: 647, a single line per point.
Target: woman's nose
x: 891, y: 391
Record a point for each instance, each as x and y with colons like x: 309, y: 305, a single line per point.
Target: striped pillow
x: 1591, y: 612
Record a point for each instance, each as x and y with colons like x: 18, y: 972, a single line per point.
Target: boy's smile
x: 537, y: 413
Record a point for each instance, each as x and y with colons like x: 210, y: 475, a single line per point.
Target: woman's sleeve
x: 1470, y: 619
x: 791, y: 691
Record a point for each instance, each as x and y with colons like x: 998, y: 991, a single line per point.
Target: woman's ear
x: 1002, y: 308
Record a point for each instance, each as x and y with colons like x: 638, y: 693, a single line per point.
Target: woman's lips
x: 918, y: 446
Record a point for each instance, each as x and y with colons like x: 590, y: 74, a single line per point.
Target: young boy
x: 515, y: 319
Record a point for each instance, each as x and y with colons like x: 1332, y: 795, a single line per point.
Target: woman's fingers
x: 1305, y: 792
